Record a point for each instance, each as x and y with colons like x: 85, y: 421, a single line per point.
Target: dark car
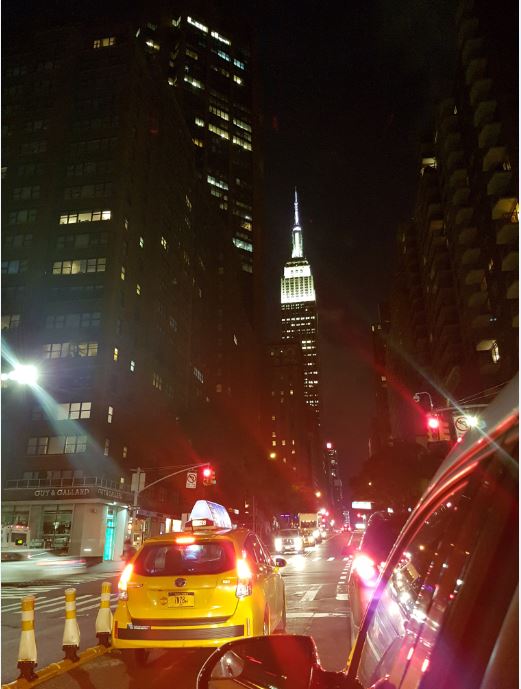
x: 369, y: 559
x: 444, y: 613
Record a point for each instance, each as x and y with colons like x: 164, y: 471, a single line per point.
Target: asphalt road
x: 316, y: 594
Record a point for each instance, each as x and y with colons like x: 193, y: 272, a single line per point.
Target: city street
x: 316, y: 604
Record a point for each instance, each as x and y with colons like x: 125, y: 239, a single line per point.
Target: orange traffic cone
x: 71, y: 632
x: 27, y: 649
x: 104, y: 618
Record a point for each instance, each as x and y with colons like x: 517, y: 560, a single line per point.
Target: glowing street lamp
x: 318, y: 494
x: 24, y: 374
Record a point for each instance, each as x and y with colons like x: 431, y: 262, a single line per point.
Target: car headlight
x: 278, y: 544
x: 316, y: 533
x: 297, y: 542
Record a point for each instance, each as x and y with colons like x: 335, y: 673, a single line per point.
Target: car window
x: 171, y: 559
x: 466, y: 545
x: 254, y: 550
x: 259, y: 552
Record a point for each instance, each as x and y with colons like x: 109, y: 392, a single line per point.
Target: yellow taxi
x: 207, y: 585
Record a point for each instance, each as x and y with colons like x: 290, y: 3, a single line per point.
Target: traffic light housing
x: 433, y: 427
x: 209, y: 476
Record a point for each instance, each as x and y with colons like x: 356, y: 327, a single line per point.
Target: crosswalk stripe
x: 300, y: 615
x: 56, y: 604
x: 342, y: 596
x: 310, y: 595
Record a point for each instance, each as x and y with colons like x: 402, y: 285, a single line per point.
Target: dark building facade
x: 120, y: 282
x: 454, y: 316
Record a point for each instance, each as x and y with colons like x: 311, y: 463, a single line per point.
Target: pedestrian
x: 128, y: 550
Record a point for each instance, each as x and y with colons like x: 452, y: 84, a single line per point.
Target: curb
x: 60, y: 668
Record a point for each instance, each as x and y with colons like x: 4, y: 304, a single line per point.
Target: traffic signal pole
x: 138, y: 490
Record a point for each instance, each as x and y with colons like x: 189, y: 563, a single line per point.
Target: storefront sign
x: 65, y: 493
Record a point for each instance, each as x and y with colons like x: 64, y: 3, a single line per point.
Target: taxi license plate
x: 181, y: 600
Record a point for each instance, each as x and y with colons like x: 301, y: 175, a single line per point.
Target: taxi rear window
x: 169, y: 559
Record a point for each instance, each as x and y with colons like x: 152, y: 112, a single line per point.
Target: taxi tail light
x: 366, y: 569
x: 123, y: 582
x: 244, y: 576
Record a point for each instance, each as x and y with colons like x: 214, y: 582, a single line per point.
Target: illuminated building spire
x: 298, y: 247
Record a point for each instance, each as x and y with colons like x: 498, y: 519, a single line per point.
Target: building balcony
x: 480, y: 90
x: 476, y: 70
x: 510, y: 262
x: 471, y: 275
x: 460, y: 196
x: 452, y: 143
x: 477, y: 299
x: 472, y: 48
x: 468, y: 28
x: 506, y: 206
x: 507, y: 232
x: 489, y: 134
x: 466, y: 235
x: 513, y: 289
x: 484, y: 112
x: 470, y: 256
x: 463, y: 216
x: 494, y: 157
x: 499, y: 182
x: 454, y: 159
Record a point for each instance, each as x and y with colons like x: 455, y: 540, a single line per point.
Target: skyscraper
x: 299, y: 313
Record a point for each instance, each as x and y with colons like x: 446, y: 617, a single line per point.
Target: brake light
x: 123, y: 581
x: 244, y: 576
x: 185, y: 539
x: 366, y: 569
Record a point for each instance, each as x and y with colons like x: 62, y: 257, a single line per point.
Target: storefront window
x: 56, y: 527
x: 14, y: 515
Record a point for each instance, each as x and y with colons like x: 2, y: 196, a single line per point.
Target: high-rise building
x: 120, y: 282
x: 299, y: 313
x: 334, y: 482
x: 207, y: 56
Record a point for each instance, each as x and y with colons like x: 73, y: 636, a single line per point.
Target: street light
x: 24, y: 374
x: 318, y: 494
x: 416, y: 398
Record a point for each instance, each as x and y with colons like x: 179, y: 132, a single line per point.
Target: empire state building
x: 299, y: 313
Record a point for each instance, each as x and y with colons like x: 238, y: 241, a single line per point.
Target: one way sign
x: 191, y: 479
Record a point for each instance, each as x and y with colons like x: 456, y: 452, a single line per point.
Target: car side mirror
x: 280, y: 562
x: 265, y: 662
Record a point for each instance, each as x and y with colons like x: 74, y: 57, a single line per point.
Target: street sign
x: 134, y: 485
x: 460, y: 424
x: 191, y: 479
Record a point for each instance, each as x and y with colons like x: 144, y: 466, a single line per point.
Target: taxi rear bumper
x: 229, y: 632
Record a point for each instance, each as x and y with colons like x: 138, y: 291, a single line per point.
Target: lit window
x: 132, y: 365
x: 110, y: 414
x: 12, y: 321
x: 104, y: 42
x: 122, y: 273
x: 164, y: 243
x: 197, y: 25
x: 115, y: 354
x: 141, y: 242
x: 274, y: 443
x: 220, y: 132
x: 494, y: 352
x: 124, y: 452
x: 192, y: 54
x: 193, y: 82
x: 106, y: 448
x: 218, y: 37
x: 153, y: 44
x: 216, y: 182
x: 239, y: 64
x: 199, y: 122
x: 157, y: 381
x: 138, y: 289
x: 237, y: 79
x: 74, y: 410
x: 198, y: 143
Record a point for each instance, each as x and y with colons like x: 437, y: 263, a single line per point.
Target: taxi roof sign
x: 207, y: 513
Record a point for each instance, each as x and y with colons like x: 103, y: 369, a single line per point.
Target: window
x: 87, y: 216
x: 75, y: 444
x: 157, y: 381
x: 193, y: 82
x: 22, y: 217
x: 197, y: 24
x: 122, y: 273
x: 141, y: 242
x: 75, y: 266
x: 464, y: 542
x: 87, y: 349
x: 220, y: 38
x: 110, y: 414
x: 104, y: 42
x: 106, y: 447
x: 37, y: 446
x: 220, y: 132
x: 124, y: 452
x: 115, y: 354
x: 164, y: 243
x: 74, y: 410
x: 494, y: 352
x: 10, y: 321
x: 13, y: 267
x: 132, y: 365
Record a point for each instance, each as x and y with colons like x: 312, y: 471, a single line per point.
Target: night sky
x: 348, y: 90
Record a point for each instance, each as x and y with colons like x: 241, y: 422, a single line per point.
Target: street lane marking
x: 330, y: 558
x: 310, y: 595
x: 57, y: 604
x: 342, y: 596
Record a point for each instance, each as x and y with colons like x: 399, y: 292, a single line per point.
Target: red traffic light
x: 433, y: 422
x: 207, y: 472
